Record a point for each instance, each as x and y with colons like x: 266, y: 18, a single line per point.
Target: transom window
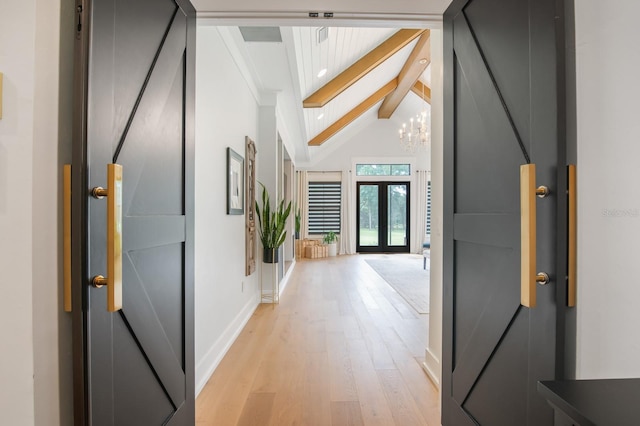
x: 383, y: 169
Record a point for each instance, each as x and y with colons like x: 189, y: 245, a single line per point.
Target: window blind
x: 324, y: 207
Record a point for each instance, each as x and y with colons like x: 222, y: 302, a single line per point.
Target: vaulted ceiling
x: 333, y: 34
x: 334, y: 79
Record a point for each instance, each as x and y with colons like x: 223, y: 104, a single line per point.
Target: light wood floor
x: 341, y: 348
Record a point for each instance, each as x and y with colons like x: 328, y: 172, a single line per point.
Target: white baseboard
x: 213, y: 357
x: 431, y: 366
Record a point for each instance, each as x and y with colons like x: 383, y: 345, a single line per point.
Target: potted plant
x: 298, y: 218
x: 331, y: 240
x: 271, y: 226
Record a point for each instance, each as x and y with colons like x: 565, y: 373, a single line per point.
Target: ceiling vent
x: 323, y: 34
x: 261, y: 34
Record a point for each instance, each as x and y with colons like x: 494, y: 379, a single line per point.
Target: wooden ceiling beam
x: 422, y: 90
x: 361, y: 68
x: 356, y: 112
x: 418, y: 61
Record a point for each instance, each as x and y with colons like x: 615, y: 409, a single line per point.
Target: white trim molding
x: 215, y: 354
x: 431, y: 366
x: 338, y: 19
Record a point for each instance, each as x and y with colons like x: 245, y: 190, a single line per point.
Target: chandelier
x: 417, y: 136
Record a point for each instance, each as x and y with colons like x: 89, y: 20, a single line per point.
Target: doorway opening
x: 403, y: 235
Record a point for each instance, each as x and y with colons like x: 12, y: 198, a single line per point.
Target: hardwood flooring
x: 342, y: 348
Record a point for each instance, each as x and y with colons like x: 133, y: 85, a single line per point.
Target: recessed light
x: 320, y: 116
x: 423, y: 61
x: 322, y: 72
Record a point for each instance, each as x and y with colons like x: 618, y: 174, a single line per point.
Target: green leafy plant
x: 298, y: 219
x: 271, y: 223
x: 330, y: 237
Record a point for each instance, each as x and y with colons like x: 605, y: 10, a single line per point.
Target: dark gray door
x: 504, y: 107
x: 135, y: 97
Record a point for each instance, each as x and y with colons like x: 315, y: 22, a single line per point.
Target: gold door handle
x: 528, y: 275
x: 113, y: 281
x: 572, y: 267
x: 66, y: 236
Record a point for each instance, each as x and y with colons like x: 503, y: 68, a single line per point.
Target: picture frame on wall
x: 235, y: 183
x: 250, y: 215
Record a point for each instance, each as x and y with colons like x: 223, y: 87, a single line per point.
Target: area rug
x: 405, y: 274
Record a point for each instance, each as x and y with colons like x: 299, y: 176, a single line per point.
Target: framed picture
x: 235, y: 182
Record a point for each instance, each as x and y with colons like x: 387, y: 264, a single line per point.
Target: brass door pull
x: 572, y: 267
x: 528, y: 274
x: 113, y: 281
x: 66, y: 237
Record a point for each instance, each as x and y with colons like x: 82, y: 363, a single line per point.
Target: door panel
x: 503, y: 100
x: 138, y: 362
x: 151, y: 402
x: 397, y: 214
x: 368, y: 215
x: 383, y: 217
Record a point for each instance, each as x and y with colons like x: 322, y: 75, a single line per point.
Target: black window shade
x: 324, y: 207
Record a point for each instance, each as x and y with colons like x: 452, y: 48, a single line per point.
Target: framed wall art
x: 235, y: 182
x: 250, y: 217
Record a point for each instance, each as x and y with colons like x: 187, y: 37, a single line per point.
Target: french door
x: 383, y: 217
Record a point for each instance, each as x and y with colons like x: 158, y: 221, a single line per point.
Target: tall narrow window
x: 324, y: 207
x: 428, y: 228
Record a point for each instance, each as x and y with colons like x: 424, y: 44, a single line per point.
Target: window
x: 324, y: 207
x: 383, y: 169
x: 428, y: 228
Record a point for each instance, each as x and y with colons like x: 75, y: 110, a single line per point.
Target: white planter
x: 333, y: 249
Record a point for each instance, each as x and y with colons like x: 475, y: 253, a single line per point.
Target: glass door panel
x: 397, y: 226
x: 368, y: 215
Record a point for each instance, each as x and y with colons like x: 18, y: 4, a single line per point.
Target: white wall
x: 268, y: 173
x: 608, y: 65
x: 379, y: 139
x: 289, y: 191
x: 433, y: 354
x: 35, y: 381
x: 226, y: 112
x: 17, y: 56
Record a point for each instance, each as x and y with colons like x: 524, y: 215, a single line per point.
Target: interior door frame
x: 383, y: 213
x: 80, y: 202
x: 565, y: 356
